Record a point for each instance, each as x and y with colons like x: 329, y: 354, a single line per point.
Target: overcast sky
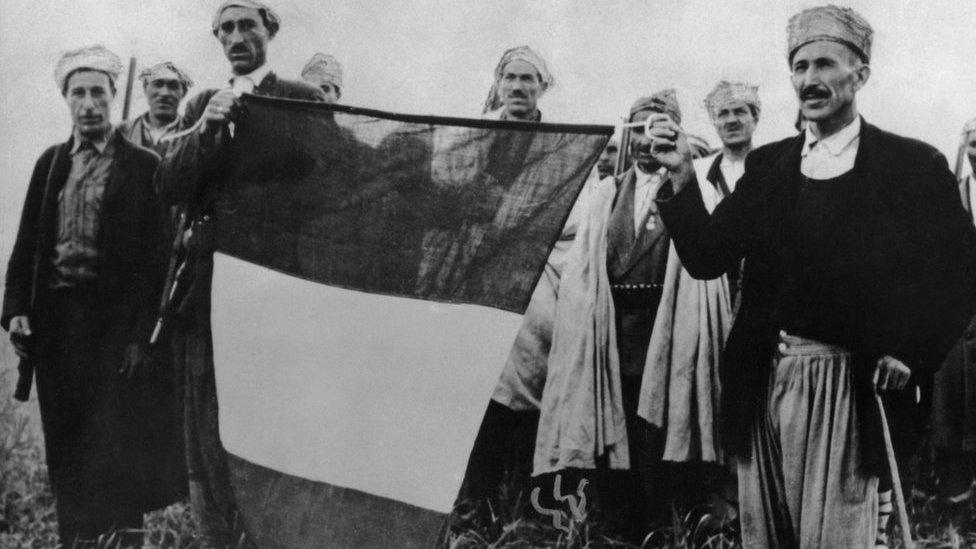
x: 436, y: 57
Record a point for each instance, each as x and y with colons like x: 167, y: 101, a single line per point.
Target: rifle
x: 178, y: 279
x: 171, y: 303
x: 128, y: 88
x: 25, y: 379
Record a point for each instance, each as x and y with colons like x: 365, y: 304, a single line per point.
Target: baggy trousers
x: 802, y: 485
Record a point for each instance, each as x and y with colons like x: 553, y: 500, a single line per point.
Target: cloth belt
x: 792, y: 345
x: 636, y: 296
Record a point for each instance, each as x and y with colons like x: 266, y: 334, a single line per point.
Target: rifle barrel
x: 128, y: 88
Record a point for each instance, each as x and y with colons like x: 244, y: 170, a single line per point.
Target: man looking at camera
x: 521, y: 78
x: 164, y: 85
x: 82, y: 286
x: 188, y: 177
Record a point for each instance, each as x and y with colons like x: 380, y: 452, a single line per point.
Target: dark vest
x: 639, y: 259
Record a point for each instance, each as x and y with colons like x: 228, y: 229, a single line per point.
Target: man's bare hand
x: 669, y: 146
x: 223, y: 107
x: 136, y: 359
x: 891, y: 374
x: 20, y: 330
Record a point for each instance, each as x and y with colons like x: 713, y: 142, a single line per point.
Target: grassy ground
x: 27, y: 518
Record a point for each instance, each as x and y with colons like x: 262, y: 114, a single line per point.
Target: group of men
x: 741, y: 308
x: 842, y: 254
x: 107, y: 231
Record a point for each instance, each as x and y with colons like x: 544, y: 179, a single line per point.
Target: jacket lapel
x: 625, y: 248
x: 268, y: 85
x: 620, y: 229
x: 114, y: 185
x: 717, y: 178
x: 56, y: 178
x: 646, y: 239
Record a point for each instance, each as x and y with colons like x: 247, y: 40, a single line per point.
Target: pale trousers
x: 802, y: 486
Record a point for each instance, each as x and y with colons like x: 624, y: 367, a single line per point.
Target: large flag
x: 370, y: 276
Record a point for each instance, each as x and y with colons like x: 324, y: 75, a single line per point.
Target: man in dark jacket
x: 860, y: 274
x: 81, y: 290
x: 188, y: 176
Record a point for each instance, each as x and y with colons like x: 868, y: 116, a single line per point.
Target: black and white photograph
x: 516, y: 274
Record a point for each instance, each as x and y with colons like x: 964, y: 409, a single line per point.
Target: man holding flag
x: 189, y: 176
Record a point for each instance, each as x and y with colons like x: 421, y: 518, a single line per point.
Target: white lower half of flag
x: 376, y: 393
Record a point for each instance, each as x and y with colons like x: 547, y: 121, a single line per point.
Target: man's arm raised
x: 708, y: 245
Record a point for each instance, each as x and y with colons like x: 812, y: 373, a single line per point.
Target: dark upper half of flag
x: 444, y: 209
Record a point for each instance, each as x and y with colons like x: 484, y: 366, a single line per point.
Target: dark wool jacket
x: 190, y: 164
x: 906, y: 286
x: 131, y: 244
x: 189, y: 177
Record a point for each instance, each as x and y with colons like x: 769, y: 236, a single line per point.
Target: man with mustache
x: 733, y: 108
x: 603, y: 356
x: 502, y: 452
x: 188, y: 177
x: 164, y: 85
x: 521, y: 78
x: 860, y: 274
x: 81, y: 290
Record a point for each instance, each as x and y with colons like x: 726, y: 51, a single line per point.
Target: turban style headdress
x: 726, y: 92
x: 521, y: 53
x: 323, y: 69
x: 96, y: 58
x: 166, y: 70
x: 664, y: 101
x: 273, y: 22
x: 832, y: 23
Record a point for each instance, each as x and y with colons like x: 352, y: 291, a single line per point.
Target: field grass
x: 28, y: 519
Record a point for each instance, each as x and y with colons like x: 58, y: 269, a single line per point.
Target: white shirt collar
x: 836, y: 143
x: 255, y: 76
x: 729, y: 161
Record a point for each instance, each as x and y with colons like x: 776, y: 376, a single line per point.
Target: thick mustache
x: 814, y: 92
x: 733, y: 127
x: 239, y: 49
x: 519, y: 94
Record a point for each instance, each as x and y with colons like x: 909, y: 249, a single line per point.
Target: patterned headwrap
x: 969, y: 127
x: 166, y: 70
x: 726, y: 92
x: 323, y: 69
x: 96, y: 58
x: 833, y: 23
x: 521, y: 53
x: 273, y: 22
x: 664, y: 101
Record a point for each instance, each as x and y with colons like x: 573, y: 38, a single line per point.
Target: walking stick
x: 906, y: 531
